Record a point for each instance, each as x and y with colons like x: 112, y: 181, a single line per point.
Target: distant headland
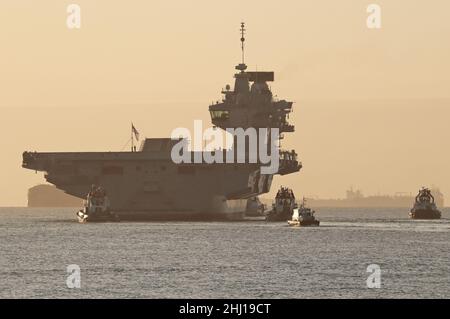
x: 44, y: 195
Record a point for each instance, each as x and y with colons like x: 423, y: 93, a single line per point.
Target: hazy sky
x: 372, y: 106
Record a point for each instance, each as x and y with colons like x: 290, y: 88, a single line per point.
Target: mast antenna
x: 242, y: 39
x: 132, y: 139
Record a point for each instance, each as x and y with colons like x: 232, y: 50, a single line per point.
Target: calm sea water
x: 250, y: 259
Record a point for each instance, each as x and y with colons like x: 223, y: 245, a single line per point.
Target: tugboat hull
x: 425, y: 214
x: 84, y: 217
x: 275, y: 216
x: 303, y: 223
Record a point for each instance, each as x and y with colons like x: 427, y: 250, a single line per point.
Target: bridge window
x: 220, y: 115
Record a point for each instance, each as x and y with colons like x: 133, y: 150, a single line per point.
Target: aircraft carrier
x: 147, y: 184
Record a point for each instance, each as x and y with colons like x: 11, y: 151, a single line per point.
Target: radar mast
x: 242, y: 67
x: 243, y: 40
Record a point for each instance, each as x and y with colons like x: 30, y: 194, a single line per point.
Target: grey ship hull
x: 148, y: 185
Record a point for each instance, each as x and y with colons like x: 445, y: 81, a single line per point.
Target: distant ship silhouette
x: 355, y: 198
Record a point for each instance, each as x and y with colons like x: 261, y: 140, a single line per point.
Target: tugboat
x: 283, y: 207
x: 303, y: 216
x: 96, y: 207
x: 424, y: 206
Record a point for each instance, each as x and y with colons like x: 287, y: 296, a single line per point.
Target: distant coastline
x: 44, y: 195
